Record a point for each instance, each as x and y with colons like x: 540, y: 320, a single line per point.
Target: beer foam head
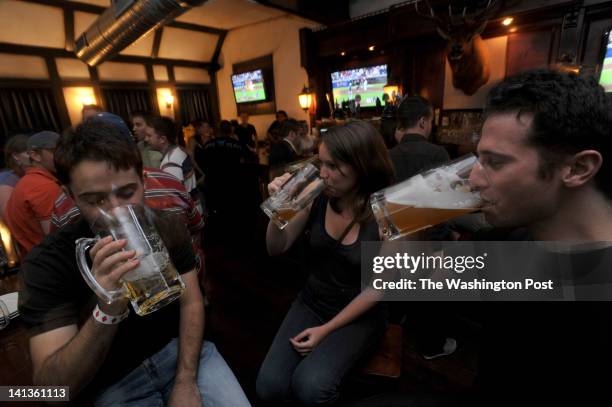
x: 440, y: 189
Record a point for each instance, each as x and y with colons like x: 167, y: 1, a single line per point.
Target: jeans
x: 150, y: 384
x: 286, y: 376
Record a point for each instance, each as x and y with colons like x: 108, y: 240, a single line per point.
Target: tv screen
x: 606, y: 69
x: 366, y: 84
x: 249, y: 87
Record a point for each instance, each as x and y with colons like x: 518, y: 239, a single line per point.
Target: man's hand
x: 110, y: 263
x: 308, y: 339
x: 185, y: 393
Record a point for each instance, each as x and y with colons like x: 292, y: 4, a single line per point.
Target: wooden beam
x: 215, y: 58
x: 58, y: 92
x: 62, y: 53
x: 91, y: 8
x: 70, y: 5
x: 69, y: 29
x: 196, y: 27
x: 152, y: 89
x: 95, y: 83
x: 157, y: 37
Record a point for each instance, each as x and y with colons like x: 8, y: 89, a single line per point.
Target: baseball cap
x: 112, y: 120
x: 43, y: 140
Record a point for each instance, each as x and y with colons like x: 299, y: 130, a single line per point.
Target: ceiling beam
x: 91, y: 8
x: 62, y: 53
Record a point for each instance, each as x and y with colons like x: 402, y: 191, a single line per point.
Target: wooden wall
x: 545, y: 32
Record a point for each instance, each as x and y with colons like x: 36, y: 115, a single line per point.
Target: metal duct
x: 123, y: 23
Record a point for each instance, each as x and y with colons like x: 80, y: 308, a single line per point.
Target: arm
x: 279, y: 241
x: 68, y: 356
x: 191, y: 333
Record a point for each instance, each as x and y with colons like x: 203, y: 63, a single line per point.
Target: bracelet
x: 106, y: 319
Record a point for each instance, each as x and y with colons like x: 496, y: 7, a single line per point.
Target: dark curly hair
x: 96, y: 141
x: 570, y: 114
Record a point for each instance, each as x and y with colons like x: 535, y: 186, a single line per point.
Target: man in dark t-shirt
x: 98, y: 349
x: 544, y: 160
x: 247, y: 136
x: 413, y: 152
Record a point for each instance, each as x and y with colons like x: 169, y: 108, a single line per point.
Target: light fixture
x: 507, y: 21
x: 87, y: 100
x: 305, y: 98
x: 392, y: 90
x: 371, y: 48
x: 169, y: 99
x: 343, y: 53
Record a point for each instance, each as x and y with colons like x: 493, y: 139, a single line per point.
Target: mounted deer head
x: 466, y: 52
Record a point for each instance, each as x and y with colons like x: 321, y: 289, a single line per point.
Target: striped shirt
x: 162, y: 191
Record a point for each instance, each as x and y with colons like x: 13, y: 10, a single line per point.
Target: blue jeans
x: 286, y: 376
x: 150, y: 384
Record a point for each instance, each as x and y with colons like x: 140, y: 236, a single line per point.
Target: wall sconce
x: 10, y: 256
x: 305, y: 99
x: 87, y: 100
x: 169, y: 99
x: 391, y: 90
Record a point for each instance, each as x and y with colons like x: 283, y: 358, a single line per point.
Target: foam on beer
x: 440, y: 190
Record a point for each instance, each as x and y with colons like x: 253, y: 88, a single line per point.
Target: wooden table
x: 15, y: 363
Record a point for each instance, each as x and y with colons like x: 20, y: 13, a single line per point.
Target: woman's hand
x: 277, y: 183
x: 308, y: 339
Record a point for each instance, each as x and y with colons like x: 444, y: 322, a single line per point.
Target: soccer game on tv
x: 367, y: 83
x: 249, y: 87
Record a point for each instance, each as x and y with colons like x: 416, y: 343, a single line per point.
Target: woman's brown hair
x: 360, y: 145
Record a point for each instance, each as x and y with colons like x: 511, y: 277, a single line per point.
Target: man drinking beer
x: 99, y: 350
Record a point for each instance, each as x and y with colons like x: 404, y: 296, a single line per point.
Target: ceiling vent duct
x: 123, y: 23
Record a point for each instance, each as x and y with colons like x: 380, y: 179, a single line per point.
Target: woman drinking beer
x: 331, y: 324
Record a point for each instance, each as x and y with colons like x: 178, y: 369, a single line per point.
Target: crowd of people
x: 544, y: 174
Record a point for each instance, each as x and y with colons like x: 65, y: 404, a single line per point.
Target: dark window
x: 194, y: 104
x: 124, y: 101
x: 28, y: 109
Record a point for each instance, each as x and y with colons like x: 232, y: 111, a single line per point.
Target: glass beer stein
x: 155, y: 283
x: 427, y: 199
x: 300, y: 190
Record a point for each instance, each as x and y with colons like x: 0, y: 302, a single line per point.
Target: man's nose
x: 478, y: 178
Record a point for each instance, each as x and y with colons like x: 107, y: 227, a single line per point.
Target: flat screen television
x: 606, y: 67
x: 368, y: 83
x: 249, y: 87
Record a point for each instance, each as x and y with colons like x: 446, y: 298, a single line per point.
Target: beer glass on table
x: 156, y: 282
x: 299, y: 191
x: 427, y: 199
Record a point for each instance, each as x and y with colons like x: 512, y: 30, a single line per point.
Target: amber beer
x: 155, y: 282
x: 147, y: 291
x: 299, y: 191
x: 425, y: 200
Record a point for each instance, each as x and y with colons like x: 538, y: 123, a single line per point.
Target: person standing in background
x: 150, y: 157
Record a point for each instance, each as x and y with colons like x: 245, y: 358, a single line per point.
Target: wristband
x: 106, y: 319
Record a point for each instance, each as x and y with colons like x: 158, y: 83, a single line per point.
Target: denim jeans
x: 150, y: 384
x: 286, y: 376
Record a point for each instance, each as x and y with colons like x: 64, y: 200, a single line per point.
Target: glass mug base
x: 143, y: 305
x: 280, y: 217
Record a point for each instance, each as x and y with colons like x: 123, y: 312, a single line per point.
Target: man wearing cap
x: 28, y: 211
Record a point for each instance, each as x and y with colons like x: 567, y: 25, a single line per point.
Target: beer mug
x: 155, y: 283
x: 299, y: 191
x: 5, y: 316
x: 427, y: 199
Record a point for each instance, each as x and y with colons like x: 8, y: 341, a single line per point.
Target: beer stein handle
x: 82, y: 245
